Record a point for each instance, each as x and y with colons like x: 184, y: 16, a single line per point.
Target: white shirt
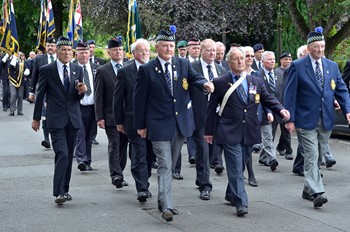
x: 88, y: 100
x: 206, y: 70
x: 60, y: 70
x: 49, y: 58
x: 192, y: 59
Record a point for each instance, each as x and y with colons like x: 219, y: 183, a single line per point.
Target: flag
x: 9, y: 41
x: 41, y: 39
x: 72, y: 32
x: 5, y: 16
x: 50, y: 20
x: 78, y: 21
x: 134, y: 27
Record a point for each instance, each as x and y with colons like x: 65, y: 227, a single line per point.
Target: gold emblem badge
x: 185, y: 84
x: 333, y: 84
x: 257, y: 98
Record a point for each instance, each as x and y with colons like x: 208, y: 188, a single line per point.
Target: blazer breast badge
x: 333, y: 85
x: 184, y: 84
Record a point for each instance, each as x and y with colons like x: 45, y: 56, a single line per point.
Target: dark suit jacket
x: 265, y: 110
x: 254, y: 66
x: 3, y: 69
x: 199, y: 99
x: 238, y: 123
x: 224, y: 64
x: 346, y: 74
x: 123, y: 98
x: 156, y: 109
x: 98, y: 61
x: 39, y: 61
x: 104, y: 90
x: 305, y: 100
x: 61, y: 106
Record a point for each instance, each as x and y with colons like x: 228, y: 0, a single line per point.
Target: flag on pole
x: 50, y: 20
x: 5, y: 17
x: 78, y: 21
x: 9, y: 42
x: 71, y: 24
x: 41, y: 39
x: 134, y: 27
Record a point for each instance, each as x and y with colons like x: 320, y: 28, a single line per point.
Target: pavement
x: 27, y: 204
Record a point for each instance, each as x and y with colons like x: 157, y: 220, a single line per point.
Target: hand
x: 290, y: 127
x: 209, y: 87
x: 270, y: 117
x: 348, y: 118
x: 35, y: 125
x: 120, y: 128
x: 81, y: 87
x: 208, y: 139
x: 31, y: 97
x: 26, y: 72
x: 337, y: 106
x: 142, y: 133
x: 101, y: 123
x: 285, y: 115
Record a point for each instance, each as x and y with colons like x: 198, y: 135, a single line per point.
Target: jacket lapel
x: 310, y: 71
x: 326, y: 75
x: 56, y: 77
x: 160, y: 74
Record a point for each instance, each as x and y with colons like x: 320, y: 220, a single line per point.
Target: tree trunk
x: 57, y: 6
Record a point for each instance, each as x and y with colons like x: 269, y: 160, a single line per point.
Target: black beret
x: 165, y: 36
x: 114, y: 43
x: 316, y: 35
x: 63, y: 41
x: 50, y: 40
x: 258, y: 46
x: 193, y: 41
x: 91, y: 41
x: 83, y: 46
x: 285, y: 54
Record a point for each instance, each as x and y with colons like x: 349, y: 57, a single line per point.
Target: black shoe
x: 67, y: 196
x: 219, y: 169
x: 45, y: 143
x: 231, y: 201
x: 257, y: 147
x: 177, y: 176
x: 4, y: 109
x: 204, y: 195
x: 88, y: 167
x: 12, y: 113
x: 60, y: 200
x: 117, y: 182
x: 155, y: 165
x: 253, y: 183
x: 124, y: 183
x: 273, y: 165
x: 289, y: 156
x: 149, y: 194
x: 192, y: 160
x: 281, y: 153
x: 142, y: 197
x: 319, y: 200
x: 20, y: 114
x: 241, y: 210
x: 330, y: 163
x: 82, y: 166
x: 168, y: 215
x: 307, y: 196
x: 95, y: 142
x: 263, y: 163
x: 299, y: 173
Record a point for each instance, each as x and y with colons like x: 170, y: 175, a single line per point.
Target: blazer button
x: 245, y: 110
x: 174, y: 100
x: 243, y: 121
x: 176, y: 113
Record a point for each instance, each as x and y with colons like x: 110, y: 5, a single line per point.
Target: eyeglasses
x: 251, y: 56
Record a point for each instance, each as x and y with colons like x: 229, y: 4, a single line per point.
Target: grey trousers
x: 268, y: 151
x: 16, y: 97
x: 314, y: 143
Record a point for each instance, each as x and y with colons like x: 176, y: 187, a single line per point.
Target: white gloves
x: 13, y: 61
x: 4, y: 59
x: 26, y: 72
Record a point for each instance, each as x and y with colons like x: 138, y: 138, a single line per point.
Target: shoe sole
x: 118, y: 183
x: 273, y: 166
x: 167, y: 216
x: 330, y: 164
x: 308, y: 198
x: 320, y: 202
x: 60, y: 201
x: 241, y: 214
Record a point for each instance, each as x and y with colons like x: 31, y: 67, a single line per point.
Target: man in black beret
x: 61, y: 82
x: 106, y: 77
x: 92, y: 58
x: 258, y: 51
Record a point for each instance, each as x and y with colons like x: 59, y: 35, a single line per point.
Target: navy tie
x: 168, y: 77
x: 319, y: 76
x: 210, y: 72
x: 242, y: 93
x: 272, y: 83
x: 65, y: 78
x: 87, y: 81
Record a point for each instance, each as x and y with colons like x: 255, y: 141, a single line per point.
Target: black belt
x: 86, y: 105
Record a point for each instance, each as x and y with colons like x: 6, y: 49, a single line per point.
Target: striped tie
x: 272, y: 82
x: 65, y: 78
x: 168, y: 77
x: 210, y: 72
x: 87, y: 81
x: 319, y: 76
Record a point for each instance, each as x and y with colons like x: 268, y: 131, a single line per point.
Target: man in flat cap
x: 313, y: 83
x: 182, y: 49
x: 41, y: 60
x: 258, y: 51
x: 62, y: 83
x: 85, y: 133
x: 106, y: 77
x: 162, y: 100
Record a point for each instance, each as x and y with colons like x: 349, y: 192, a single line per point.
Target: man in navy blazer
x: 61, y: 81
x: 313, y: 83
x: 238, y: 127
x: 163, y: 110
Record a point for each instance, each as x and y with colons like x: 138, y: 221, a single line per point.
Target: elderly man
x: 124, y: 118
x: 313, y: 83
x: 238, y: 129
x: 162, y: 100
x: 62, y: 83
x: 220, y: 55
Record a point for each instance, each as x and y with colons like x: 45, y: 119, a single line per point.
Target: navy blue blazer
x: 156, y: 109
x: 238, y: 123
x: 305, y: 100
x: 61, y: 106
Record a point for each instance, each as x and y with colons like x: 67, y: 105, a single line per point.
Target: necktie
x: 118, y: 66
x: 91, y: 60
x: 87, y: 81
x: 65, y: 78
x: 242, y: 93
x: 259, y: 65
x: 272, y: 83
x: 319, y: 76
x: 168, y: 77
x: 210, y: 73
x: 51, y: 58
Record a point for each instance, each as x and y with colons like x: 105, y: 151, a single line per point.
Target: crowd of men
x: 218, y: 106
